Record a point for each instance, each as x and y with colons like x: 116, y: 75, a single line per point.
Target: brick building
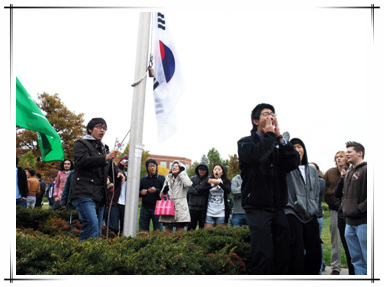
x: 166, y: 160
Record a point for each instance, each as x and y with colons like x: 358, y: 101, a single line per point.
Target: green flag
x: 30, y: 117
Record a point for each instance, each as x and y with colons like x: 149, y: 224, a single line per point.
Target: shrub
x: 146, y: 254
x: 34, y: 217
x: 36, y: 254
x: 45, y: 246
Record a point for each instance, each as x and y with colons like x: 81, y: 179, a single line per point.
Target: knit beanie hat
x: 151, y: 160
x: 120, y: 165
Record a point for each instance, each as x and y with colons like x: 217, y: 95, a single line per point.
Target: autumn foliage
x: 69, y: 125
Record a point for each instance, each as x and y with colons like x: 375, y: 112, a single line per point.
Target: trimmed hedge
x: 33, y: 217
x: 49, y: 248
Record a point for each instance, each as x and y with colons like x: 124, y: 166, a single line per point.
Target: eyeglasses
x: 266, y: 114
x: 151, y: 165
x: 100, y: 127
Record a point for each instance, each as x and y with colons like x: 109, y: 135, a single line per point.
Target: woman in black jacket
x: 216, y: 192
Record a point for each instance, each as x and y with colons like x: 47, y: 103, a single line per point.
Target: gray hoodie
x: 303, y: 195
x: 235, y: 183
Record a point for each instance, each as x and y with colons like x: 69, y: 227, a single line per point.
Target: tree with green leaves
x: 233, y: 166
x: 213, y: 157
x: 28, y: 160
x: 191, y: 169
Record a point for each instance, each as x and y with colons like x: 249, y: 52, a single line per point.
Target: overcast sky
x: 317, y: 66
x: 309, y: 62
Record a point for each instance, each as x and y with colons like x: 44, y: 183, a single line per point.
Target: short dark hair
x: 32, y: 172
x: 62, y: 164
x: 93, y: 122
x: 38, y: 175
x: 255, y: 115
x: 358, y: 147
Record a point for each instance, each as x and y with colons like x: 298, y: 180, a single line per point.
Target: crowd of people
x: 278, y: 194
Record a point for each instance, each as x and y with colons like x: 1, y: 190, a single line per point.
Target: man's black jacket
x: 264, y: 164
x: 146, y: 182
x: 91, y: 171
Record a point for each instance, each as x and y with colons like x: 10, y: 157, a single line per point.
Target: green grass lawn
x: 326, y: 237
x: 45, y: 202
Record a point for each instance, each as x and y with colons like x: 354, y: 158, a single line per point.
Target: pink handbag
x: 165, y: 207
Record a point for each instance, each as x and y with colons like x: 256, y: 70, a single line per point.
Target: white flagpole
x: 137, y: 119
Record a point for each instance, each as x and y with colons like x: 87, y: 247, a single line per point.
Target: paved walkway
x: 328, y: 271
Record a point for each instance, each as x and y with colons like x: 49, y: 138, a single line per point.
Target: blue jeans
x: 213, y: 220
x: 21, y: 201
x: 238, y: 220
x: 356, y: 236
x: 91, y: 216
x: 31, y: 201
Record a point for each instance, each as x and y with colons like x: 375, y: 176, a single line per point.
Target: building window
x: 164, y: 163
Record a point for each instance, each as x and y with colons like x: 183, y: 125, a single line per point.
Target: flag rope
x: 113, y: 192
x: 145, y: 73
x: 140, y: 80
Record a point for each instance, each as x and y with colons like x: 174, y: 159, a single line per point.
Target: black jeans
x: 121, y: 209
x: 146, y: 215
x: 305, y: 247
x: 197, y: 216
x: 269, y: 241
x: 341, y: 225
